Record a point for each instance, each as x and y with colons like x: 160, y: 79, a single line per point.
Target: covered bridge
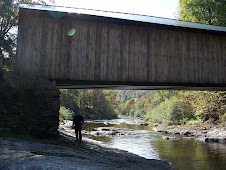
x: 82, y: 48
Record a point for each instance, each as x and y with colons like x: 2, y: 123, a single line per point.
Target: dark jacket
x: 78, y: 120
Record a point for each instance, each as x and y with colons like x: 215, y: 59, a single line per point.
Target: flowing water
x: 182, y: 154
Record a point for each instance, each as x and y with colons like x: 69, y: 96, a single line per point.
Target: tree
x: 140, y: 107
x: 130, y: 106
x: 65, y: 114
x: 203, y: 11
x: 69, y: 99
x: 9, y: 15
x: 93, y: 104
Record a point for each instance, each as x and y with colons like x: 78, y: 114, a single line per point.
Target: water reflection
x: 136, y: 144
x: 185, y: 154
x: 133, y: 143
x: 182, y: 154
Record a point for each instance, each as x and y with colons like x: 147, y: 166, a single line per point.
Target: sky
x: 158, y: 8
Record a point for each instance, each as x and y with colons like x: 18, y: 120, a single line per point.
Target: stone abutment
x: 32, y: 106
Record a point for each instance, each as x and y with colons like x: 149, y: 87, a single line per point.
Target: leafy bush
x: 194, y: 122
x: 66, y: 114
x: 171, y: 111
x: 163, y: 112
x: 92, y: 104
x: 223, y: 118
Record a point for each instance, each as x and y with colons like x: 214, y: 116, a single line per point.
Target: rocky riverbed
x: 205, y: 132
x: 20, y: 154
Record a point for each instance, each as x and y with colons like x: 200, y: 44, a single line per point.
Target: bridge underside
x: 116, y: 85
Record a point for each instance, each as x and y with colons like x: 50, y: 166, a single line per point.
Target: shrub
x: 223, y: 118
x: 171, y: 111
x: 66, y: 114
x: 163, y: 112
x: 194, y: 122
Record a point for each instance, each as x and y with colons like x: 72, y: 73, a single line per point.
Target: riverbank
x: 21, y: 154
x: 204, y: 132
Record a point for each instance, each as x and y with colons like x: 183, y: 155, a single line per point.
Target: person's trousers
x: 78, y: 132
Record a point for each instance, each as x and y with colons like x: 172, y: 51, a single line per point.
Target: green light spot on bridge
x: 71, y: 32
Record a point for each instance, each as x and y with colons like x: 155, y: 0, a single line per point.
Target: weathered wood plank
x: 103, y: 52
x: 224, y: 59
x: 155, y: 57
x: 84, y: 29
x: 143, y: 72
x: 131, y: 54
x: 119, y: 70
x: 50, y: 49
x: 221, y: 61
x: 192, y: 62
x: 165, y: 54
x: 171, y: 72
x: 151, y: 55
x: 111, y: 52
x: 76, y: 53
x: 67, y: 45
x: 125, y: 53
x: 137, y: 55
x: 110, y: 39
x: 97, y: 53
x: 72, y: 51
x: 187, y: 52
x: 116, y: 52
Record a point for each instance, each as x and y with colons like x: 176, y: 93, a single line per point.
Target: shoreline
x: 22, y: 154
x: 203, y: 132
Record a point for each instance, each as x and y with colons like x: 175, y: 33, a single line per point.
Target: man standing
x: 78, y: 121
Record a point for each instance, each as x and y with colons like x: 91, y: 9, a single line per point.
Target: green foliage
x: 223, y: 118
x: 66, y: 114
x: 178, y: 107
x: 130, y: 107
x: 69, y: 99
x: 93, y: 104
x: 207, y: 12
x: 167, y: 112
x: 140, y: 108
x: 9, y: 16
x: 194, y: 122
x: 125, y: 95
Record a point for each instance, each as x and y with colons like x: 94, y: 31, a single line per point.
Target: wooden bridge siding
x: 100, y: 51
x: 223, y: 58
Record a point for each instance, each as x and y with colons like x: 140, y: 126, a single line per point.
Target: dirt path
x: 20, y: 154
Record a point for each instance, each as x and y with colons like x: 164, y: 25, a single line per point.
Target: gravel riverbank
x: 20, y: 154
x: 204, y: 132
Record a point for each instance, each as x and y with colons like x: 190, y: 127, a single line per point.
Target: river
x: 182, y: 154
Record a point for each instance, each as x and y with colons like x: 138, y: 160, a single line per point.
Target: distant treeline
x: 162, y: 106
x: 174, y: 107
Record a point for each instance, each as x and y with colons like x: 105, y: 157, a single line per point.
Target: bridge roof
x: 129, y: 17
